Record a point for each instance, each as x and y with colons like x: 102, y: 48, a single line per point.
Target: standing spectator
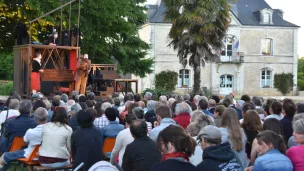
x: 150, y: 114
x: 235, y: 135
x: 203, y: 105
x: 148, y: 96
x: 182, y: 113
x: 86, y: 142
x: 252, y: 126
x: 246, y: 107
x: 56, y: 141
x: 164, y: 119
x: 216, y: 98
x: 289, y: 110
x: 102, y: 121
x: 212, y: 105
x: 137, y: 157
x: 229, y: 100
x: 114, y: 127
x: 217, y: 156
x: 195, y: 114
x: 176, y: 148
x: 246, y: 98
x: 12, y: 111
x: 18, y: 126
x: 275, y: 111
x: 296, y: 153
x: 271, y: 149
x: 218, y: 112
x: 300, y: 108
x: 32, y: 137
x: 291, y: 142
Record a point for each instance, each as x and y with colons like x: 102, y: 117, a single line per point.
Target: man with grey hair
x: 102, y: 121
x: 148, y: 96
x: 72, y: 118
x: 18, y: 126
x: 182, y: 112
x: 162, y: 98
x: 197, y: 98
x: 212, y: 105
x: 187, y: 97
x: 12, y: 111
x: 32, y: 137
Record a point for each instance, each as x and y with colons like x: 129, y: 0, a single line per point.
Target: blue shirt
x: 273, y: 160
x: 163, y: 124
x: 112, y: 129
x: 207, y: 112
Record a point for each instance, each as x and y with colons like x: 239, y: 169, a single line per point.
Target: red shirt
x: 183, y: 119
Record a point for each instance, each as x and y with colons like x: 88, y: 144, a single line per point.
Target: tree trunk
x: 196, y: 78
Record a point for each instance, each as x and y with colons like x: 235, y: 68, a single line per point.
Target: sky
x: 292, y: 13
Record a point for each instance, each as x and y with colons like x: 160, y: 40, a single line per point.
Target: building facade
x: 259, y: 44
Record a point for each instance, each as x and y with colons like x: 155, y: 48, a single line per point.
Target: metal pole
x: 61, y: 22
x: 70, y: 21
x: 30, y: 35
x: 78, y: 34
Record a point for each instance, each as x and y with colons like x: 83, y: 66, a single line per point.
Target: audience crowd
x: 173, y: 132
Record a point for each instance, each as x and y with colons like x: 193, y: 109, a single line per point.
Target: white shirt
x: 33, y: 138
x: 278, y: 117
x: 102, y: 121
x: 123, y: 138
x: 197, y: 157
x: 11, y: 113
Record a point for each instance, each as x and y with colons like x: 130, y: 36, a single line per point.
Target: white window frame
x: 179, y: 85
x: 264, y: 82
x: 226, y: 43
x: 265, y: 44
x: 267, y: 16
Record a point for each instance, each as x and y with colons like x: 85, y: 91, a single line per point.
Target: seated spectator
x: 291, y: 142
x: 195, y: 114
x: 193, y: 129
x: 90, y: 103
x: 164, y: 119
x: 83, y: 105
x: 103, y: 166
x: 48, y: 107
x: 64, y: 100
x: 216, y: 98
x: 124, y: 112
x: 252, y: 126
x: 170, y: 102
x: 217, y: 156
x: 275, y: 111
x: 91, y: 96
x: 137, y: 97
x: 69, y: 106
x: 114, y: 127
x: 271, y: 124
x: 32, y: 137
x: 176, y: 148
x: 203, y: 105
x: 296, y: 153
x: 102, y: 121
x: 235, y: 135
x: 218, y: 112
x: 37, y: 104
x: 82, y: 98
x: 212, y: 105
x: 150, y: 114
x: 18, y: 126
x: 73, y: 117
x: 186, y: 97
x: 12, y: 111
x: 139, y: 111
x: 182, y: 113
x: 136, y: 156
x: 289, y: 110
x: 14, y: 95
x: 86, y: 142
x: 116, y: 103
x: 271, y: 149
x: 56, y: 141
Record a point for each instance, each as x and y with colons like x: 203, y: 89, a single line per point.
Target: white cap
x: 86, y: 56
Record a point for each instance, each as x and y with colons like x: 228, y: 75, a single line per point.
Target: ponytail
x: 280, y: 144
x: 270, y: 137
x: 187, y: 145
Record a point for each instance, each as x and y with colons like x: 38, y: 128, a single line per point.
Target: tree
x: 109, y: 28
x: 166, y: 80
x: 283, y: 82
x: 198, y: 28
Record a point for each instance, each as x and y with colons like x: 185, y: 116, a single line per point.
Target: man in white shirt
x: 32, y: 138
x: 12, y: 111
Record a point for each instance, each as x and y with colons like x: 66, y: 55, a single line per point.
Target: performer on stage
x: 54, y: 40
x: 35, y: 75
x: 83, y: 68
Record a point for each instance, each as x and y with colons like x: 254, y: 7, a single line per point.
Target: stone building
x: 259, y: 44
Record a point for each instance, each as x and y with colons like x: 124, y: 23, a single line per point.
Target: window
x: 266, y: 18
x: 227, y: 50
x: 266, y: 78
x: 267, y: 46
x: 184, y: 78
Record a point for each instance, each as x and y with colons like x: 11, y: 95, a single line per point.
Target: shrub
x: 166, y: 80
x: 6, y: 88
x: 6, y: 66
x: 283, y: 82
x: 301, y: 84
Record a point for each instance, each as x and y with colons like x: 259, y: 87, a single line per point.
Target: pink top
x: 296, y: 155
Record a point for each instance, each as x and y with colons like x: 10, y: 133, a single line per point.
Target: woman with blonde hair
x: 234, y: 134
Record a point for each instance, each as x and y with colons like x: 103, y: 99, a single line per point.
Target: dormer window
x: 266, y: 16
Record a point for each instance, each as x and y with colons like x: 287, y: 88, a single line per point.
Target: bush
x: 157, y: 92
x: 6, y: 66
x: 6, y: 88
x: 166, y: 80
x: 301, y: 84
x: 283, y: 82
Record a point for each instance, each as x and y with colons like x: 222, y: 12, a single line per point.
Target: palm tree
x: 197, y: 32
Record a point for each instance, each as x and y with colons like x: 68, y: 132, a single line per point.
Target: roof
x: 245, y: 10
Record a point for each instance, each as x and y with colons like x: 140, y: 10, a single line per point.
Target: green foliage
x: 109, y: 28
x: 197, y: 32
x: 301, y: 65
x: 283, y: 82
x: 6, y: 66
x: 166, y: 80
x: 301, y: 84
x: 157, y: 92
x: 6, y: 88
